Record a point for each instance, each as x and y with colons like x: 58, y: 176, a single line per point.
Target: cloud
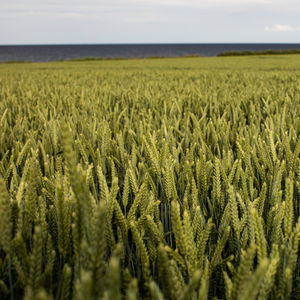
x: 116, y: 21
x: 282, y: 28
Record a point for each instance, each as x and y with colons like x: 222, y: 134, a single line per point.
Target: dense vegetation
x: 263, y: 52
x: 150, y: 179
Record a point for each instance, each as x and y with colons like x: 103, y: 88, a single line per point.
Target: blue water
x: 41, y: 53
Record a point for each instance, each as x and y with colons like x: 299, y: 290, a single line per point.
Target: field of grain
x: 150, y: 179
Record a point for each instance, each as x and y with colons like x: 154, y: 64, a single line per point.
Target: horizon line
x: 150, y: 43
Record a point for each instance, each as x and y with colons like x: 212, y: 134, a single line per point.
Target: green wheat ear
x: 269, y: 278
x: 178, y: 228
x: 99, y: 244
x: 289, y: 211
x: 253, y: 286
x: 36, y: 261
x: 259, y: 235
x: 234, y: 210
x: 5, y: 221
x: 113, y: 280
x: 155, y: 291
x: 142, y: 250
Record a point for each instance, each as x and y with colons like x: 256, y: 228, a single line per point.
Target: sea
x: 46, y: 53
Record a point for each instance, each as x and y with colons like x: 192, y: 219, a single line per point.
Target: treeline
x: 264, y: 52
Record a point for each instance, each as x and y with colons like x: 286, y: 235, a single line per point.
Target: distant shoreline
x: 222, y: 54
x: 87, y: 59
x: 264, y: 52
x: 47, y: 53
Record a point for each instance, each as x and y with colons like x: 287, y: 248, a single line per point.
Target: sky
x: 149, y: 21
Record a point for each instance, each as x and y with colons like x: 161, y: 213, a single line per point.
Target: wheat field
x: 150, y: 179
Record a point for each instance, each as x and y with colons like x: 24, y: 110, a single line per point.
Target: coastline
x: 221, y: 54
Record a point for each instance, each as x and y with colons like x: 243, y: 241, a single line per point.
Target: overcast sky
x: 149, y: 21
